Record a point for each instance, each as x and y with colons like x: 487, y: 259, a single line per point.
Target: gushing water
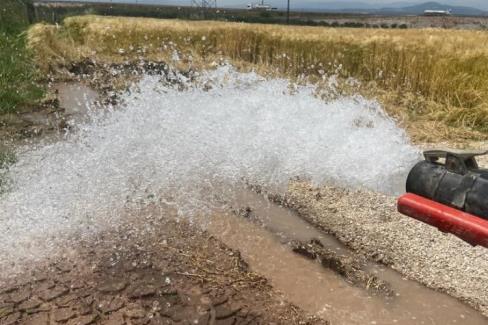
x: 187, y: 142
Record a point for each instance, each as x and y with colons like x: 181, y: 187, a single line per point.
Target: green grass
x: 18, y: 74
x: 14, y: 16
x: 18, y: 86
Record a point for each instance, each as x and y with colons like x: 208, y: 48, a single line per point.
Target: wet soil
x: 310, y: 243
x: 70, y: 94
x: 173, y: 274
x: 323, y: 276
x: 351, y: 268
x: 368, y: 223
x: 158, y: 269
x: 68, y: 105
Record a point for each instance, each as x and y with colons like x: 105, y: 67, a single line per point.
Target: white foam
x: 189, y: 146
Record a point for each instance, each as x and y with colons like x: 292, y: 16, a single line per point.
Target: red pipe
x: 468, y: 227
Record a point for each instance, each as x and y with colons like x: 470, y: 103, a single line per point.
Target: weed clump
x: 18, y: 73
x: 18, y: 86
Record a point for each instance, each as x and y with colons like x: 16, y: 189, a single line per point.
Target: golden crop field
x: 436, y: 77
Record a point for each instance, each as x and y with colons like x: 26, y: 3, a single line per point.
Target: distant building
x: 437, y: 12
x: 260, y: 7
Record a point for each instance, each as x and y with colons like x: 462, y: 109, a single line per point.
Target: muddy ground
x: 173, y: 274
x: 368, y: 223
x: 177, y: 274
x: 70, y: 92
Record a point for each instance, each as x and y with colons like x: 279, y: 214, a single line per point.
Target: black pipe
x: 465, y: 190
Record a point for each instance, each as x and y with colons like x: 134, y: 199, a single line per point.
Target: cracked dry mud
x: 172, y: 274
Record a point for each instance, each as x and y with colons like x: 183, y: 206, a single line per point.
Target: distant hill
x: 420, y: 8
x: 395, y: 8
x: 337, y: 5
x: 354, y: 5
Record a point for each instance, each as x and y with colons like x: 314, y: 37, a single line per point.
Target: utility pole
x: 288, y: 13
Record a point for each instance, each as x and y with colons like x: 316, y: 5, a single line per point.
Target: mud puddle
x: 70, y: 105
x: 76, y: 99
x: 321, y: 291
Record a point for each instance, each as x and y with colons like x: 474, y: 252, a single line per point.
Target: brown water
x: 321, y: 291
x: 75, y: 102
x: 77, y: 99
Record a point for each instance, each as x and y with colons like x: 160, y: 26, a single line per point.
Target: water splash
x: 188, y: 142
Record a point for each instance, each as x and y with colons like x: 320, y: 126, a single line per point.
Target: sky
x: 481, y: 4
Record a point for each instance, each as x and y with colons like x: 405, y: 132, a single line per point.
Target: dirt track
x: 172, y: 275
x: 368, y: 223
